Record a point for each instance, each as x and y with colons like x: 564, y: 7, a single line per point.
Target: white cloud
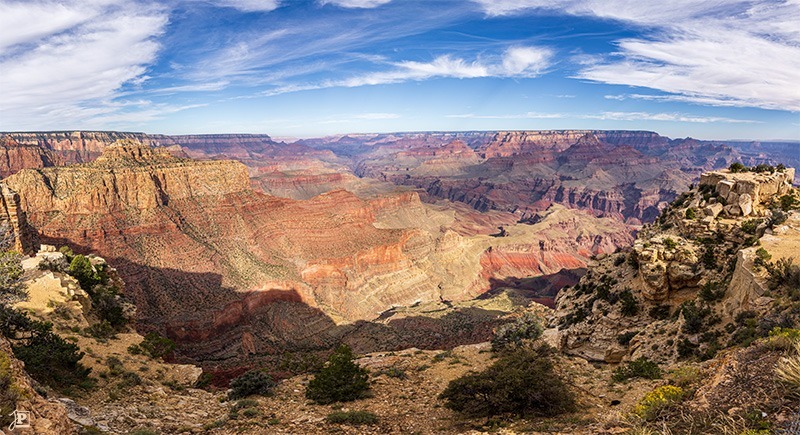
x: 612, y: 116
x: 672, y: 117
x: 73, y: 69
x: 721, y: 52
x: 360, y: 4
x: 249, y: 5
x: 519, y: 62
x: 528, y: 115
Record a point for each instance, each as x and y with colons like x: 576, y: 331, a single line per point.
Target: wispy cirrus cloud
x: 249, y: 5
x: 612, y: 116
x: 521, y: 62
x: 725, y: 52
x: 69, y: 69
x: 359, y: 4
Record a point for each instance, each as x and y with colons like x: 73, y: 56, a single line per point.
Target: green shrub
x: 106, y: 303
x: 762, y: 258
x: 82, y: 270
x: 670, y: 244
x: 640, y: 368
x: 53, y: 361
x: 522, y: 382
x: 630, y: 307
x: 633, y: 260
x: 788, y: 202
x: 659, y: 312
x: 712, y: 291
x: 354, y: 418
x: 9, y: 393
x: 751, y: 225
x: 691, y: 214
x: 340, y: 380
x: 737, y: 167
x: 625, y: 339
x: 784, y: 274
x: 693, y: 316
x: 512, y: 335
x: 157, y: 346
x: 254, y: 382
x: 10, y: 275
x: 101, y: 330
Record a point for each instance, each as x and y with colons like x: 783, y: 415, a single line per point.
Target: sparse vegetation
x: 656, y: 401
x: 521, y: 382
x: 48, y: 358
x: 640, y: 368
x: 254, y: 382
x: 691, y: 213
x: 340, y: 380
x: 512, y: 335
x: 353, y: 418
x: 630, y: 307
x: 156, y: 345
x: 9, y: 393
x: 737, y: 167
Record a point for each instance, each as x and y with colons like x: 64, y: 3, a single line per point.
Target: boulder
x: 714, y: 210
x: 746, y: 204
x: 725, y: 187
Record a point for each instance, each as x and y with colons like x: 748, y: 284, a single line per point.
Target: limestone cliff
x: 691, y: 279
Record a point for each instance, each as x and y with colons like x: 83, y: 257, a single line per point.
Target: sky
x: 709, y: 69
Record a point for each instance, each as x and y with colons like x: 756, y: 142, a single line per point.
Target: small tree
x: 737, y: 167
x: 340, y: 380
x: 522, y: 382
x: 81, y: 269
x: 156, y: 345
x: 512, y: 335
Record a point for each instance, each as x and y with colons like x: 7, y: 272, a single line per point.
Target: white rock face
x: 746, y: 204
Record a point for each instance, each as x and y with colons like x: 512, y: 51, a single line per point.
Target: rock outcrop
x: 690, y: 278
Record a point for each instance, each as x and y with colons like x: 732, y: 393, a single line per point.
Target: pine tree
x: 341, y: 380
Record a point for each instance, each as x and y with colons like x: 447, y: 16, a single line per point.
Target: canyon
x: 241, y: 248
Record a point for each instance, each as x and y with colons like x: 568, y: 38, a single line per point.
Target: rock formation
x: 690, y: 277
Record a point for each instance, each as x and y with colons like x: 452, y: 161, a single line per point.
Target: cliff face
x: 690, y: 278
x: 227, y: 271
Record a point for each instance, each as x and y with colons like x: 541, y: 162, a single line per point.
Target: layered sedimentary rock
x: 690, y: 277
x: 229, y: 271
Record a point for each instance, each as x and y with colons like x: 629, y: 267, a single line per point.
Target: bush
x: 625, y: 339
x: 512, y: 335
x: 751, y: 225
x: 107, y: 305
x: 657, y: 400
x: 737, y: 167
x: 157, y: 346
x: 659, y: 312
x: 254, y: 382
x: 693, y: 317
x: 784, y: 274
x: 340, y: 380
x: 53, y: 361
x: 48, y: 358
x: 354, y: 418
x: 10, y: 274
x: 691, y: 214
x: 82, y: 270
x: 101, y: 331
x: 762, y: 258
x: 788, y: 202
x: 9, y: 393
x: 641, y: 368
x: 521, y: 382
x: 629, y: 305
x: 712, y: 291
x: 670, y: 244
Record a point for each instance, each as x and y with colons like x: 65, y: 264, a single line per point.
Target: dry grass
x: 788, y: 369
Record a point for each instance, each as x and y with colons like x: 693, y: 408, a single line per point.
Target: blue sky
x: 710, y: 69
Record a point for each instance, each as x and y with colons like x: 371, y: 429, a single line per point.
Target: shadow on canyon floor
x: 227, y: 331
x: 542, y: 289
